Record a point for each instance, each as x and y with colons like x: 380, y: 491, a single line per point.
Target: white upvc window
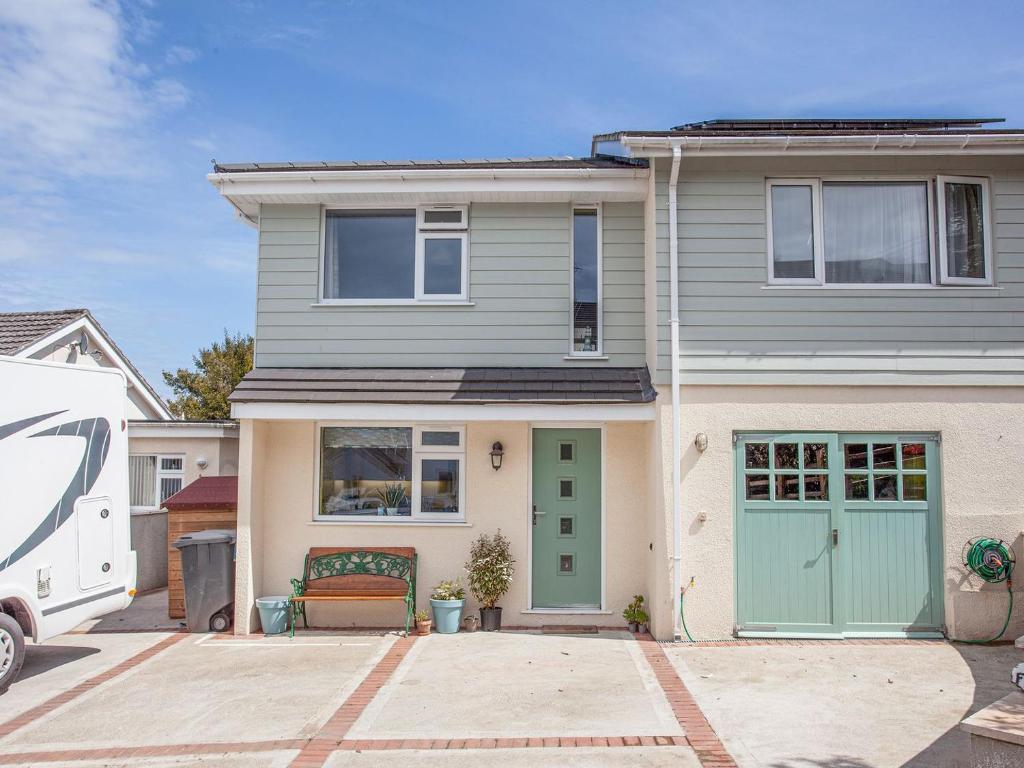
x: 879, y: 232
x: 391, y: 473
x: 153, y: 478
x: 965, y: 238
x: 586, y: 325
x: 379, y: 255
x: 794, y: 231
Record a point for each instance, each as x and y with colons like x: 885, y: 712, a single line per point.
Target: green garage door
x: 838, y: 535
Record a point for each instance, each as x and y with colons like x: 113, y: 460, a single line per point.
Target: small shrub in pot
x: 422, y: 622
x: 490, y: 570
x: 635, y: 615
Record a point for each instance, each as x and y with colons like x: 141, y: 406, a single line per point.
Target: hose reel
x: 993, y: 561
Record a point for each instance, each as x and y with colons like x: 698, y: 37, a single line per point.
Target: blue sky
x: 110, y: 113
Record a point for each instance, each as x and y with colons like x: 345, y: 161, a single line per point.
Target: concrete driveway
x: 341, y: 699
x: 846, y: 705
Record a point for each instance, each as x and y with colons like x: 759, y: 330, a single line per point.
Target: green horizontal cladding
x: 735, y: 330
x: 518, y: 289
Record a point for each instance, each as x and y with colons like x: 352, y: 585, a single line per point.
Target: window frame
x: 936, y: 232
x: 423, y: 231
x: 597, y: 207
x: 158, y: 475
x: 817, y: 238
x: 941, y: 235
x: 418, y: 453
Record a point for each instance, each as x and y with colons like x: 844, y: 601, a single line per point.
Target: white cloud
x: 179, y: 54
x: 73, y: 95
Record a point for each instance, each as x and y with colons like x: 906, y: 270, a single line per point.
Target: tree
x: 203, y: 393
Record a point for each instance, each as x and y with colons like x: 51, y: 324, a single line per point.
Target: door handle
x: 835, y: 537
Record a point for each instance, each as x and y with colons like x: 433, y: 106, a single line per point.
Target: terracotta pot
x: 423, y: 627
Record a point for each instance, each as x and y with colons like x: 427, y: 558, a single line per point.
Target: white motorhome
x: 65, y: 547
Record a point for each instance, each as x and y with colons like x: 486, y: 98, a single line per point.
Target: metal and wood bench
x: 355, y: 573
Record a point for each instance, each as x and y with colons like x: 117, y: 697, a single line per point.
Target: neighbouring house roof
x: 538, y: 163
x: 219, y: 492
x: 446, y: 385
x: 20, y: 332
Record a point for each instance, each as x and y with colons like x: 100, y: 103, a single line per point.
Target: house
x: 774, y: 363
x: 165, y: 453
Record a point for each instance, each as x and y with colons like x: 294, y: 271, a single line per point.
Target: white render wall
x: 275, y: 522
x: 982, y: 458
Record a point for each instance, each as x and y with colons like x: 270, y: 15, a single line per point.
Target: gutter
x: 677, y: 452
x: 407, y: 174
x: 882, y: 144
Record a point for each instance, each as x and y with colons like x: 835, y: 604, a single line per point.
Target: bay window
x: 391, y: 473
x: 879, y: 232
x: 394, y: 255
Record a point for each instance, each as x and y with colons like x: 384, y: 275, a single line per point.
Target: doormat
x: 567, y: 629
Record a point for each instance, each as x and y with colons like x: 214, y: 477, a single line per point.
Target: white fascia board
x: 96, y: 338
x: 246, y: 191
x: 909, y: 144
x: 170, y: 429
x: 443, y: 412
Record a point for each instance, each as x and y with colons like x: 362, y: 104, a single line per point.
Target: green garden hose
x: 993, y: 561
x: 682, y: 610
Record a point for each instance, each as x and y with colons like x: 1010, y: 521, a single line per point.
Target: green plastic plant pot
x: 447, y: 615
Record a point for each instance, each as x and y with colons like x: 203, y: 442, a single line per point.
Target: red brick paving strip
x: 30, y: 716
x: 332, y: 732
x: 319, y: 749
x: 703, y: 739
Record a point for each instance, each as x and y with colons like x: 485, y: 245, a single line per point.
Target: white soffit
x: 413, y: 187
x: 443, y: 413
x: 907, y: 144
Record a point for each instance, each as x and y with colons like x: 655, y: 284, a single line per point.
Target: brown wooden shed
x: 208, y: 503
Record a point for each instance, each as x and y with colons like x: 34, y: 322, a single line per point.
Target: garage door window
x: 892, y: 470
x: 796, y: 471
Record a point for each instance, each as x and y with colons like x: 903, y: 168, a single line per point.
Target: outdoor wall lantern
x: 201, y: 462
x: 497, y: 451
x: 701, y: 441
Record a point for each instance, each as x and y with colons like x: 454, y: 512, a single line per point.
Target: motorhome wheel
x: 12, y: 651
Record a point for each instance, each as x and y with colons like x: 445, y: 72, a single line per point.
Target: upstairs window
x: 395, y: 255
x: 965, y: 246
x: 586, y: 282
x: 853, y: 233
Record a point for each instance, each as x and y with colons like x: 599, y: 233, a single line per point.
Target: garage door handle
x: 835, y: 537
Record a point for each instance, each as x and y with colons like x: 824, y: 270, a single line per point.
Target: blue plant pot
x: 447, y: 615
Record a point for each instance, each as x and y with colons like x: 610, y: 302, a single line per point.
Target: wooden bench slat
x: 304, y: 598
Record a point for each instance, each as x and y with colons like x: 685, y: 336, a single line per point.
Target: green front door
x: 838, y: 534
x: 566, y: 558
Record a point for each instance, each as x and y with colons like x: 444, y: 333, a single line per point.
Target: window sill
x: 879, y: 286
x: 567, y: 611
x: 391, y: 303
x: 576, y: 358
x: 395, y: 523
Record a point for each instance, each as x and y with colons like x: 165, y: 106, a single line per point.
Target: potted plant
x: 635, y: 615
x: 391, y: 495
x: 447, y: 601
x: 422, y: 622
x: 490, y: 576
